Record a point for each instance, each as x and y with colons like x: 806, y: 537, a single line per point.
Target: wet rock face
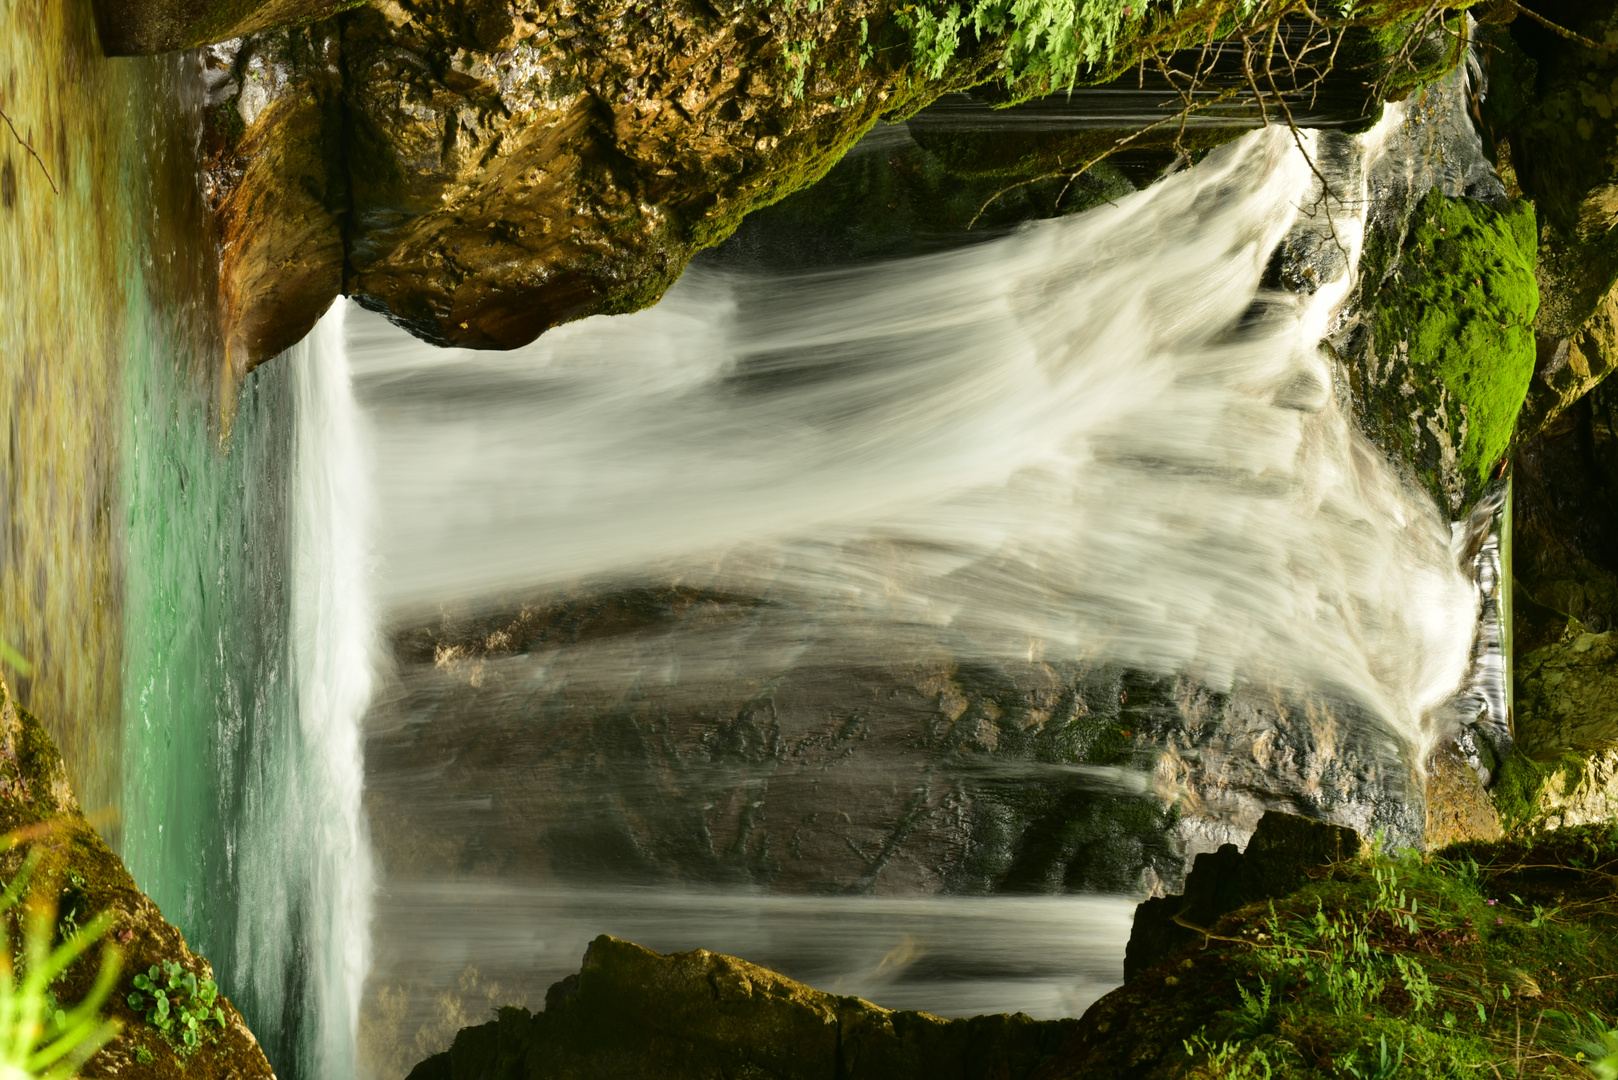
x: 632, y: 1013
x: 617, y: 739
x: 131, y: 28
x: 89, y: 879
x: 274, y: 178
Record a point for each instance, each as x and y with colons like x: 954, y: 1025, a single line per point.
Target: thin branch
x: 15, y: 134
x: 1555, y: 29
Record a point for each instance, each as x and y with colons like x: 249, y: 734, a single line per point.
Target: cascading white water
x: 1094, y: 438
x: 1099, y: 439
x: 304, y: 857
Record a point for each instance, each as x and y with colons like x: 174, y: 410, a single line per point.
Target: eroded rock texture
x: 483, y: 172
x: 87, y: 879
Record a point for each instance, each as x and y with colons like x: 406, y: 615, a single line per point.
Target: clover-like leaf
x: 162, y: 1006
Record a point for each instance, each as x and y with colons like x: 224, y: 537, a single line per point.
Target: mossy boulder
x: 87, y: 879
x: 1452, y: 307
x: 631, y: 1013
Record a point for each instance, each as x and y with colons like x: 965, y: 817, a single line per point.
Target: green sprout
x: 39, y: 1040
x: 178, y: 1004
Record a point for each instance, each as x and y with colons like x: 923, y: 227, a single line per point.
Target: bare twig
x: 1555, y: 29
x: 15, y: 134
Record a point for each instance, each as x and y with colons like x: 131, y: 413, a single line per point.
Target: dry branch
x: 26, y: 145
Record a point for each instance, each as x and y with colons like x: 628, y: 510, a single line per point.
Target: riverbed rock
x: 631, y: 1013
x: 84, y: 878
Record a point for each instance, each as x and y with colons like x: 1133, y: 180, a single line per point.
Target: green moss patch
x: 1453, y: 316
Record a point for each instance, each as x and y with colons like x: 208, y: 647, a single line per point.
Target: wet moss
x: 1454, y: 309
x: 1521, y: 782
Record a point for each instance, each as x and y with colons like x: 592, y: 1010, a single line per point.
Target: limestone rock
x: 514, y: 168
x: 1284, y: 848
x: 483, y: 172
x: 1572, y: 366
x: 133, y: 27
x: 1567, y: 694
x: 1585, y: 795
x: 631, y: 1013
x: 1458, y: 806
x: 89, y: 878
x: 276, y: 184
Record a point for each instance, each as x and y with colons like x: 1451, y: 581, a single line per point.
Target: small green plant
x: 178, y: 1004
x: 1227, y: 1060
x: 798, y: 54
x: 1381, y: 1066
x: 144, y: 1055
x: 39, y: 1039
x: 1597, y: 1050
x: 1253, y: 1018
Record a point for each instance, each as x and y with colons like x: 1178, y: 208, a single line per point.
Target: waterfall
x: 1099, y: 436
x: 757, y: 620
x: 332, y: 628
x: 248, y: 673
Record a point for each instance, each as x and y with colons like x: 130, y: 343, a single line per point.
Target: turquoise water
x: 239, y: 812
x: 207, y: 681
